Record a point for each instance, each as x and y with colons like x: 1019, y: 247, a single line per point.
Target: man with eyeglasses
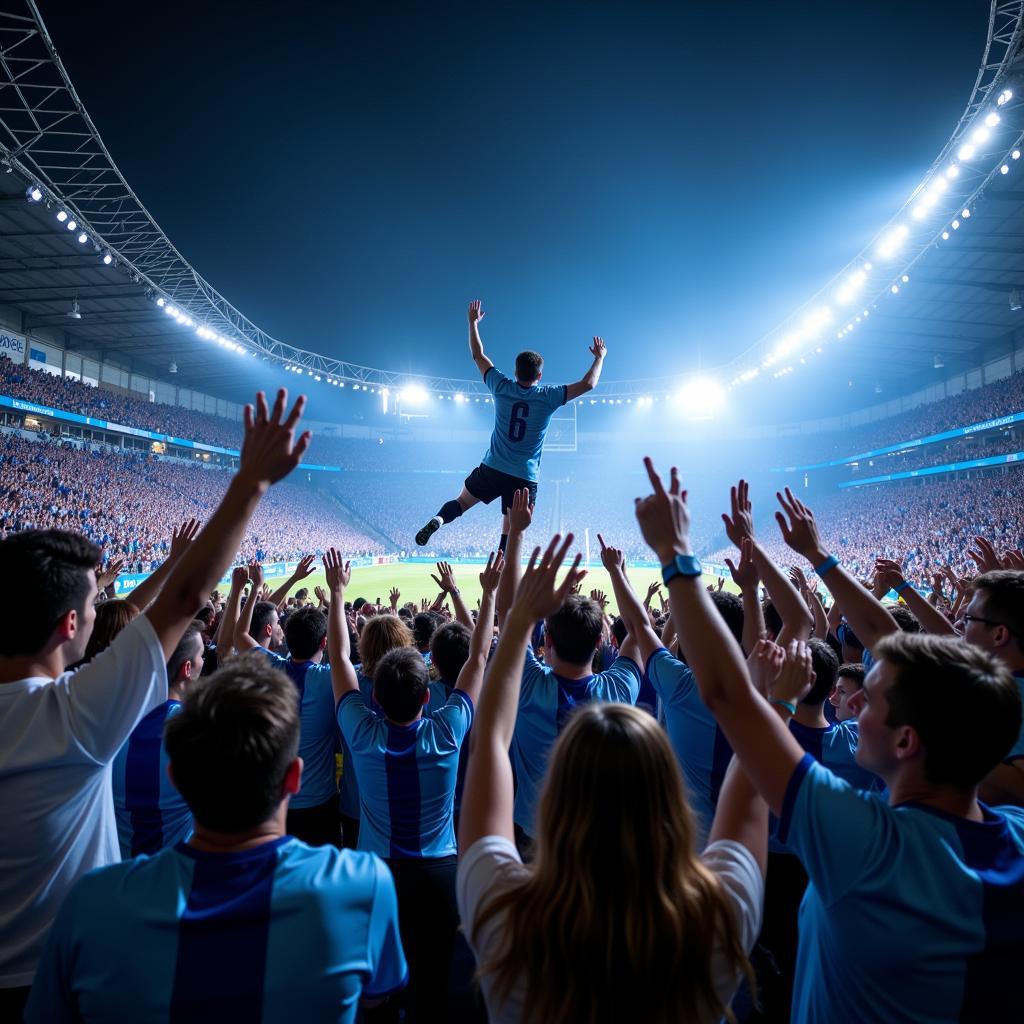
x: 994, y: 621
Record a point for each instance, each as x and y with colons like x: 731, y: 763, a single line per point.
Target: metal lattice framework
x: 47, y: 136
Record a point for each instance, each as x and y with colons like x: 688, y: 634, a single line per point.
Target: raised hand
x: 600, y: 598
x: 537, y: 596
x: 984, y: 555
x: 800, y: 532
x: 305, y: 567
x: 321, y: 594
x: 796, y: 676
x: 269, y: 450
x: 721, y: 584
x: 445, y: 578
x: 393, y: 598
x: 424, y: 604
x: 182, y: 536
x: 611, y: 558
x: 654, y: 587
x: 744, y: 573
x: 239, y: 577
x: 255, y: 571
x: 492, y: 572
x: 1013, y: 559
x: 104, y: 577
x: 888, y: 574
x: 741, y: 523
x: 663, y: 516
x: 764, y: 663
x: 476, y: 314
x: 799, y: 580
x: 599, y: 349
x: 339, y: 573
x: 520, y: 513
x: 265, y: 592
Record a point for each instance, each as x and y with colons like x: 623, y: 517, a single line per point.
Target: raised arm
x: 867, y: 616
x: 476, y: 346
x: 589, y: 380
x: 746, y: 577
x: 472, y: 675
x: 145, y: 593
x: 766, y: 748
x: 931, y: 619
x: 813, y: 598
x: 302, y: 570
x: 795, y: 615
x: 487, y: 798
x: 520, y: 515
x: 269, y: 453
x: 226, y: 627
x: 243, y: 639
x: 343, y: 675
x: 445, y: 579
x: 630, y: 607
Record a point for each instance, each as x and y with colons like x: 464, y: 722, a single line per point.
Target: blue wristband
x: 903, y: 586
x: 791, y: 708
x: 830, y: 563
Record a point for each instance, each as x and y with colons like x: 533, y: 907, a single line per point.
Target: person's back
x: 242, y: 922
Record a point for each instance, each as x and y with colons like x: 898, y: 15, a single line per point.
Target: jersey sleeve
x: 533, y: 672
x: 356, y: 721
x: 556, y: 396
x: 672, y: 680
x: 389, y: 971
x: 52, y: 999
x: 455, y: 717
x: 489, y: 864
x: 102, y: 702
x: 621, y: 682
x: 496, y: 381
x: 840, y: 834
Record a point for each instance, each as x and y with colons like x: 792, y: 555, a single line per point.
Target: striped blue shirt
x: 700, y: 745
x: 407, y: 776
x: 318, y: 736
x: 924, y: 910
x: 546, y: 702
x: 278, y: 933
x: 521, y: 418
x: 349, y: 783
x: 150, y: 812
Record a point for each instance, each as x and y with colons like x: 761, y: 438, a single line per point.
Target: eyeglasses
x: 978, y: 618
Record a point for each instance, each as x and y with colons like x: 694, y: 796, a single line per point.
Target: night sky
x: 677, y: 177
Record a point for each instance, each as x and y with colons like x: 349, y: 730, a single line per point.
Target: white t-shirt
x: 58, y: 738
x: 493, y: 863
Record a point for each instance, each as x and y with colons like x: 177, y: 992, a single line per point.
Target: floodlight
x: 992, y: 119
x: 108, y: 259
x: 62, y: 216
x: 83, y: 237
x: 895, y: 289
x: 1015, y: 155
x: 965, y: 213
x: 414, y: 394
x: 955, y: 225
x: 1005, y: 169
x: 892, y: 240
x: 867, y: 266
x: 980, y: 135
x: 919, y: 211
x: 700, y: 398
x: 904, y: 278
x: 71, y: 225
x: 966, y: 151
x: 460, y: 397
x: 33, y: 193
x: 945, y: 236
x: 341, y: 383
x: 952, y: 171
x: 1004, y: 97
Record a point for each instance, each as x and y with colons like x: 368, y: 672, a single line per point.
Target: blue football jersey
x: 318, y: 736
x: 277, y: 933
x: 700, y: 746
x: 407, y: 776
x: 521, y: 418
x: 546, y: 702
x: 1018, y: 747
x: 150, y: 812
x: 349, y: 783
x: 929, y: 907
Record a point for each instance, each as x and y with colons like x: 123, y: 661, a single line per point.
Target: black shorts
x: 486, y: 483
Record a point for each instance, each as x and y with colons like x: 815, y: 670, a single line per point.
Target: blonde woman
x: 616, y: 918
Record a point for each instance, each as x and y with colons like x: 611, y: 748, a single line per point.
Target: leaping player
x: 522, y: 411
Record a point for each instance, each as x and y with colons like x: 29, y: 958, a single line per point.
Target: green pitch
x: 374, y: 582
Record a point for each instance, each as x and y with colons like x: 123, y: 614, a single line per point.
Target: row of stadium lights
x: 888, y: 246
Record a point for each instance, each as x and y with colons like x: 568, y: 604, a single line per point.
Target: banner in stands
x: 12, y: 346
x: 91, y: 421
x: 949, y: 467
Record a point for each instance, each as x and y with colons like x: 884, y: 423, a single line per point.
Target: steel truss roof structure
x: 955, y: 304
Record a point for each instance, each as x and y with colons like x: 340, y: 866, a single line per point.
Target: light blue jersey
x: 318, y: 736
x: 150, y: 812
x: 349, y: 783
x: 700, y: 746
x: 278, y: 933
x: 928, y: 906
x: 407, y: 776
x: 521, y: 418
x: 1018, y: 747
x: 546, y: 702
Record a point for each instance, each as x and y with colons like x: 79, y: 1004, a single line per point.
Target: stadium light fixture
x: 62, y: 216
x: 1015, y: 155
x: 945, y: 236
x: 161, y: 302
x: 992, y: 119
x: 953, y: 171
x: 82, y: 238
x: 980, y: 135
x: 895, y: 289
x: 905, y: 278
x: 1004, y: 97
x: 1005, y: 169
x: 33, y: 193
x: 700, y: 398
x: 71, y: 225
x: 966, y: 152
x: 108, y: 259
x: 892, y: 241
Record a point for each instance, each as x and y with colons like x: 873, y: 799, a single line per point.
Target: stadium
x: 808, y: 601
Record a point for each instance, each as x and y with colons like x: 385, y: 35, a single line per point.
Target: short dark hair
x: 620, y: 630
x: 304, y: 632
x: 52, y: 571
x: 185, y: 651
x: 529, y: 365
x: 449, y: 650
x: 206, y: 615
x: 730, y: 607
x: 302, y: 593
x: 423, y: 626
x: 905, y: 619
x: 825, y: 664
x: 772, y: 618
x: 262, y: 613
x: 358, y: 603
x: 1004, y: 598
x: 963, y: 703
x: 852, y: 670
x: 111, y: 617
x: 399, y: 682
x: 575, y: 629
x: 232, y: 743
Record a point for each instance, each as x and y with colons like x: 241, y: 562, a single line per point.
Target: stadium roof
x: 955, y: 305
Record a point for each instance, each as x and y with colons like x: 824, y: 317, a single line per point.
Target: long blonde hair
x: 618, y: 919
x: 381, y: 634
